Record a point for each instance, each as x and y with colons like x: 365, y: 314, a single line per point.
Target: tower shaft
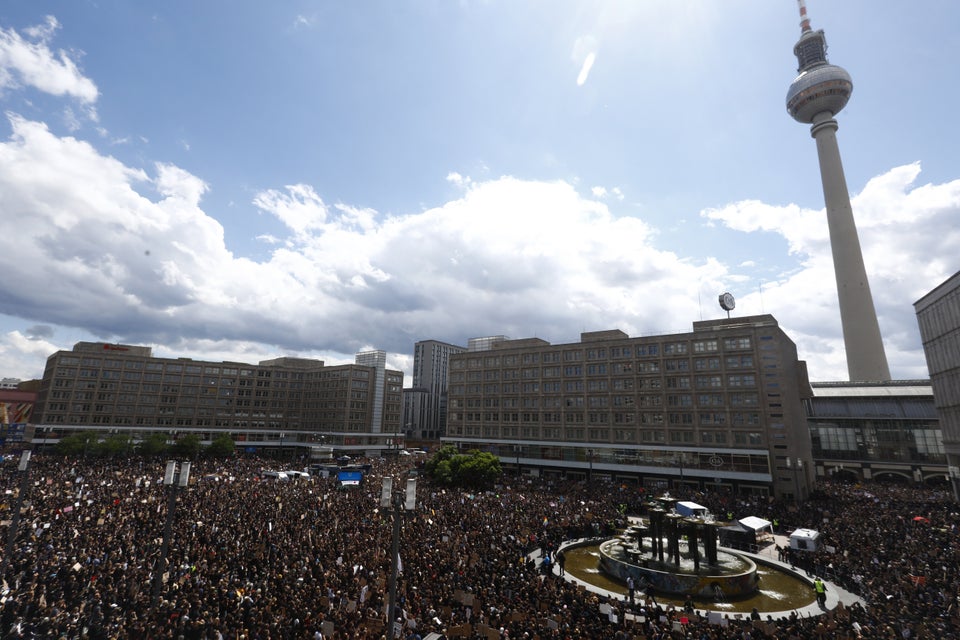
x: 866, y: 358
x: 815, y: 97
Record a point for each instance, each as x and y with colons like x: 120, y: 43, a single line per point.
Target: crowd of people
x: 254, y: 558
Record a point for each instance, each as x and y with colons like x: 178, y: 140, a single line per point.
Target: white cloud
x: 603, y: 192
x: 908, y: 236
x: 300, y: 208
x: 455, y: 178
x: 81, y: 246
x: 31, y: 62
x: 302, y: 21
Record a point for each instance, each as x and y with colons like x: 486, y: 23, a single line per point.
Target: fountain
x: 678, y: 555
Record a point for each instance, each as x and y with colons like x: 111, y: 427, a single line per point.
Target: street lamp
x: 24, y: 469
x: 397, y: 507
x: 796, y: 476
x: 175, y: 479
x: 590, y: 461
x: 517, y: 449
x: 280, y: 453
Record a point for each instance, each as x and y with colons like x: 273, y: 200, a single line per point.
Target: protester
x: 256, y: 559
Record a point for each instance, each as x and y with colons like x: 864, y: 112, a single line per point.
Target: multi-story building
x: 938, y: 314
x: 427, y: 417
x: 717, y: 408
x: 284, y: 402
x: 861, y: 431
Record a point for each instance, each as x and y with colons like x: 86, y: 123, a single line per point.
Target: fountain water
x: 678, y: 555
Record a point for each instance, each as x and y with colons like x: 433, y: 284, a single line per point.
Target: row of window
x: 735, y: 399
x: 647, y: 436
x: 615, y: 384
x: 462, y: 361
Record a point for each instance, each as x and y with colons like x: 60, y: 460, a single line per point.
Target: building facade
x: 862, y: 431
x: 938, y: 315
x: 719, y: 407
x: 285, y: 402
x: 427, y: 417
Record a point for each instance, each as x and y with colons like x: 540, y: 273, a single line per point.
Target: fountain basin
x: 732, y: 576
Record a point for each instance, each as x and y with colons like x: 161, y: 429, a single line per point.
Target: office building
x: 427, y: 417
x: 938, y: 315
x: 719, y: 407
x: 284, y: 402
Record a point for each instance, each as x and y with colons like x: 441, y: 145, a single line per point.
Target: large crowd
x: 254, y: 558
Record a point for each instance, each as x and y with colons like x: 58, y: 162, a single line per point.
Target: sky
x: 246, y: 180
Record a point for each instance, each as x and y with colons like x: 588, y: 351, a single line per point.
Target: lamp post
x: 280, y: 453
x: 680, y: 457
x: 590, y: 461
x: 397, y: 505
x: 24, y: 469
x: 175, y: 479
x: 517, y: 449
x: 797, y: 470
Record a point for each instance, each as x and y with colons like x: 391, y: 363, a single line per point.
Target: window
x: 736, y: 343
x: 704, y: 346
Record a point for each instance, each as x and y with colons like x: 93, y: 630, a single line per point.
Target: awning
x: 755, y: 523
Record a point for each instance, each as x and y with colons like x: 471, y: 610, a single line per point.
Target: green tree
x: 222, y: 446
x: 78, y: 444
x: 154, y: 445
x: 187, y: 446
x: 116, y: 444
x: 478, y: 469
x: 474, y: 469
x: 444, y: 454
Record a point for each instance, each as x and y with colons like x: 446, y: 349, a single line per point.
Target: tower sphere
x: 825, y: 87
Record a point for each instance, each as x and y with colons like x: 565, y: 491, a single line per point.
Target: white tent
x: 691, y: 509
x: 757, y: 524
x: 762, y: 529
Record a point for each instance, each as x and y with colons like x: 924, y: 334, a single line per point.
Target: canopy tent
x: 691, y: 509
x: 738, y: 536
x: 759, y: 525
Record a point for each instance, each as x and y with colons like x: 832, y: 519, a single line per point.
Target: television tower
x: 815, y: 96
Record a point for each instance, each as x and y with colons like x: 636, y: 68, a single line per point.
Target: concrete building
x: 815, y: 97
x: 938, y: 314
x: 863, y: 431
x: 719, y: 407
x: 427, y: 417
x: 286, y: 402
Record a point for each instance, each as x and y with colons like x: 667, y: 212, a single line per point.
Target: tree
x: 78, y: 444
x: 444, y: 454
x: 186, y: 447
x: 116, y: 444
x: 475, y: 469
x: 478, y: 469
x: 222, y: 446
x: 154, y: 445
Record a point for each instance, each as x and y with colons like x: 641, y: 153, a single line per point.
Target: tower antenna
x: 804, y: 18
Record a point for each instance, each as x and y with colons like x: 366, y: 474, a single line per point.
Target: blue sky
x: 242, y: 180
